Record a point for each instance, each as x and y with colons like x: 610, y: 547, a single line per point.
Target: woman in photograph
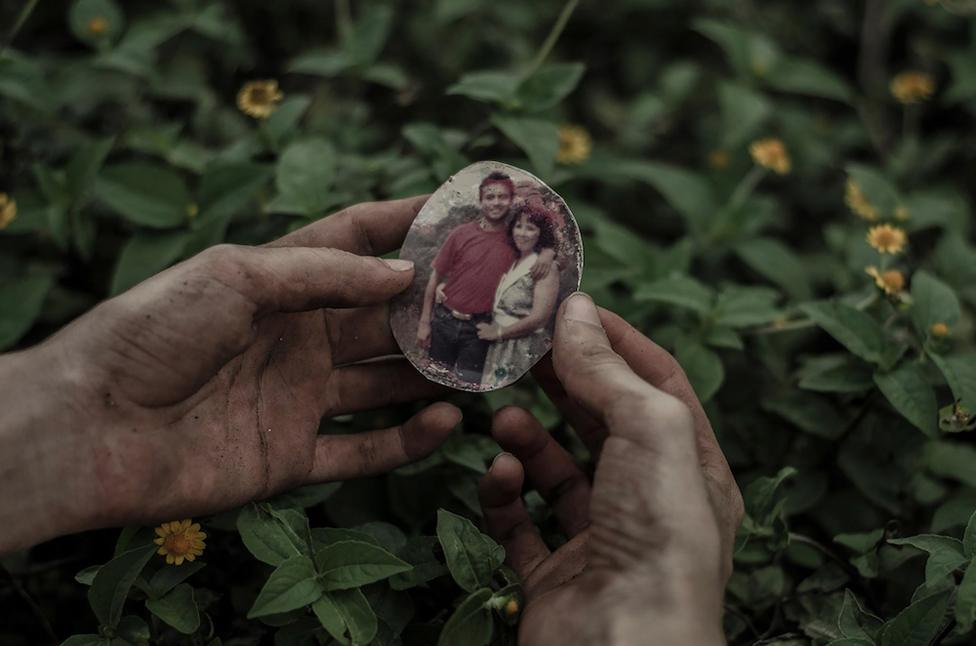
x: 523, y: 306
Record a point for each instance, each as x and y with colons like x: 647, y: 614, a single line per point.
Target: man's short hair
x: 496, y: 177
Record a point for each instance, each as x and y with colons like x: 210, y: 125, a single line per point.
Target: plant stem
x: 745, y: 188
x: 554, y: 33
x: 343, y: 17
x: 875, y: 30
x: 800, y: 324
x: 22, y: 17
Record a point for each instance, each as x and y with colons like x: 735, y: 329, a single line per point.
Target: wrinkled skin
x: 651, y: 537
x: 203, y: 387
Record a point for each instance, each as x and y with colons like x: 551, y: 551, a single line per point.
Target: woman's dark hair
x: 538, y: 217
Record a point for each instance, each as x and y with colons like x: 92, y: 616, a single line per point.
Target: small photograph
x: 496, y: 251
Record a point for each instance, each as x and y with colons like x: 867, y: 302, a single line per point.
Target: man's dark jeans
x: 455, y: 343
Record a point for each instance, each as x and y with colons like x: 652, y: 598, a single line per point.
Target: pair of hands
x: 203, y: 388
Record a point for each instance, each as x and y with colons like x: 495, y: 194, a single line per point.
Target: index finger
x: 368, y: 229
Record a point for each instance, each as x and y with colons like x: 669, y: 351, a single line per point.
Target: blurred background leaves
x: 726, y: 162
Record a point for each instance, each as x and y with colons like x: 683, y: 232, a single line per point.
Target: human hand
x: 488, y: 331
x: 204, y: 387
x: 650, y: 547
x: 439, y: 296
x: 543, y: 264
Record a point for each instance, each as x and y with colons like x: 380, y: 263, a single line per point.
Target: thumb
x: 586, y: 364
x: 295, y: 279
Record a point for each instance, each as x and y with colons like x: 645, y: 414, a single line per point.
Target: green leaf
x: 966, y: 598
x: 273, y: 538
x: 350, y: 564
x: 226, y: 189
x: 293, y: 585
x: 952, y: 460
x: 285, y: 119
x: 810, y: 413
x: 167, y: 578
x: 750, y: 53
x: 538, y: 138
x: 807, y: 77
x: 918, y: 624
x: 860, y: 542
x: 365, y: 41
x: 702, y: 366
x: 687, y: 192
x: 969, y: 537
x: 85, y: 640
x: 945, y: 554
x: 305, y: 174
x: 743, y: 113
x: 907, y: 390
x: 960, y: 372
x: 549, y: 85
x: 145, y: 193
x: 487, y: 86
x: 877, y: 189
x: 472, y: 557
x: 762, y: 497
x: 108, y: 15
x: 724, y: 337
x: 83, y: 168
x: 932, y: 302
x: 419, y: 553
x: 854, y: 329
x: 836, y: 373
x: 683, y: 291
x: 177, y: 608
x: 145, y: 254
x: 744, y: 306
x: 20, y: 305
x: 777, y: 263
x: 471, y: 624
x: 113, y: 581
x: 855, y: 622
x: 347, y: 616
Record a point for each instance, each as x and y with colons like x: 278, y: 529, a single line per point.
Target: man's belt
x: 461, y: 316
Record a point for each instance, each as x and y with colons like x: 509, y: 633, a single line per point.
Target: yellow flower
x: 887, y: 239
x: 8, y: 210
x: 771, y: 154
x: 718, y: 159
x: 574, y: 145
x: 857, y: 202
x: 940, y: 330
x: 97, y: 26
x: 179, y: 540
x: 259, y: 99
x: 912, y: 87
x: 891, y: 281
x: 902, y: 213
x: 511, y: 608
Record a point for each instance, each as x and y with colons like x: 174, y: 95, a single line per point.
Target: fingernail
x: 397, y: 264
x: 579, y: 307
x: 503, y: 453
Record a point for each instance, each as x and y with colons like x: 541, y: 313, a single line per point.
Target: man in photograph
x: 469, y: 266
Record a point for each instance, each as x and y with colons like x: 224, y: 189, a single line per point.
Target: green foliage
x: 845, y: 415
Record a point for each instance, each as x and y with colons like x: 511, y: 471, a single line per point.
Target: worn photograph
x: 495, y: 251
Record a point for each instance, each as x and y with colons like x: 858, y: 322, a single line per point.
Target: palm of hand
x: 210, y: 379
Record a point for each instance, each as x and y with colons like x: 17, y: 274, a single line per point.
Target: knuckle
x: 222, y: 260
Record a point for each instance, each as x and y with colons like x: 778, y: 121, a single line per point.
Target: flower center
x: 177, y: 544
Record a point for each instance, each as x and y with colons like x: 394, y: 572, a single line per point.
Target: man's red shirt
x: 472, y: 262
